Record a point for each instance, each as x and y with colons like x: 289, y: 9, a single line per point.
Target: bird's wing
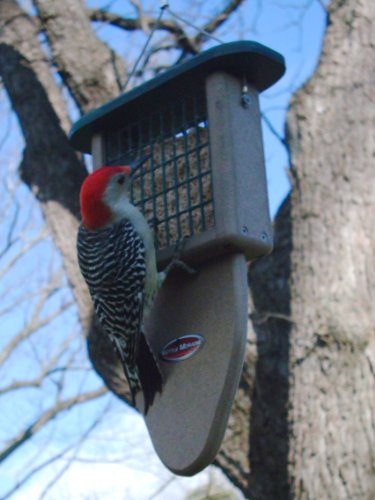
x: 112, y: 262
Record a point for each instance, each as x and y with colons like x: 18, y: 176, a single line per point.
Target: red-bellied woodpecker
x: 116, y: 255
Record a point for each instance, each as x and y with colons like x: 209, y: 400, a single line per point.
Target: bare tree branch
x: 162, y: 488
x: 36, y: 322
x: 23, y: 251
x: 182, y: 39
x: 141, y: 16
x: 47, y: 416
x: 6, y: 131
x: 58, y: 456
x: 76, y: 449
x: 84, y: 62
x: 17, y: 28
x: 47, y: 370
x: 9, y: 237
x: 189, y: 45
x: 215, y: 23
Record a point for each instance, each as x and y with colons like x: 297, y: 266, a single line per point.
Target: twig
x: 218, y: 20
x: 141, y: 16
x: 262, y: 317
x: 7, y: 130
x: 10, y: 239
x: 128, y: 24
x: 46, y: 371
x: 46, y: 417
x: 203, y: 33
x: 29, y: 244
x: 161, y: 488
x: 32, y: 326
x: 56, y: 457
x: 76, y: 450
x: 278, y: 136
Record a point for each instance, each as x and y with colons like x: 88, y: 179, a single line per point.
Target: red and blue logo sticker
x: 182, y: 348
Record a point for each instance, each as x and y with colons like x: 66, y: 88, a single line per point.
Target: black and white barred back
x: 113, y: 263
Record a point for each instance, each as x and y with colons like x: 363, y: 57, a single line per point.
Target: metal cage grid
x: 173, y: 188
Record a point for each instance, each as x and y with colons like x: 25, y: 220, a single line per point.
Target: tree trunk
x: 332, y: 343
x: 92, y: 72
x: 50, y: 167
x: 312, y: 399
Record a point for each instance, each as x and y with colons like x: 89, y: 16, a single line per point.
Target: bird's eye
x: 121, y: 179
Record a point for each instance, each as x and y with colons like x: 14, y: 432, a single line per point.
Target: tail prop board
x: 198, y: 330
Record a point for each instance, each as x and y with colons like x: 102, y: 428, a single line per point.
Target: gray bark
x: 332, y: 284
x: 50, y: 167
x: 312, y: 417
x: 91, y: 70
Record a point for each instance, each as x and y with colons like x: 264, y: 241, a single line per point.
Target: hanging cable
x: 192, y: 25
x: 163, y: 7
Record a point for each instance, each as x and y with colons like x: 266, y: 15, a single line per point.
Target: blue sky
x: 292, y: 27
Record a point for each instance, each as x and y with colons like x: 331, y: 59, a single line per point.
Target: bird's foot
x: 176, y: 262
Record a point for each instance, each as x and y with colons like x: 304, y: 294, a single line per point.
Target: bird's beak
x: 135, y: 164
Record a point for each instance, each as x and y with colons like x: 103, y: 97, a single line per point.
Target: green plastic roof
x: 261, y: 66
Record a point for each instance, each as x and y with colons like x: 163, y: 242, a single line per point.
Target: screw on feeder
x: 245, y: 97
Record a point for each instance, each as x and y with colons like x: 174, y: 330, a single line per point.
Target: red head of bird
x: 103, y: 196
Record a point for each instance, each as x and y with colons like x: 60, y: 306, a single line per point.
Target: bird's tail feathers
x: 131, y: 376
x: 149, y: 373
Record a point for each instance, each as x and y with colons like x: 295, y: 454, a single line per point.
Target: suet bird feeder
x: 205, y: 183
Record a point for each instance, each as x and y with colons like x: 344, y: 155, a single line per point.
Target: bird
x: 117, y: 258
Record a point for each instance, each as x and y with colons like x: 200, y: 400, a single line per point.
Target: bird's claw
x: 179, y: 264
x: 176, y: 262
